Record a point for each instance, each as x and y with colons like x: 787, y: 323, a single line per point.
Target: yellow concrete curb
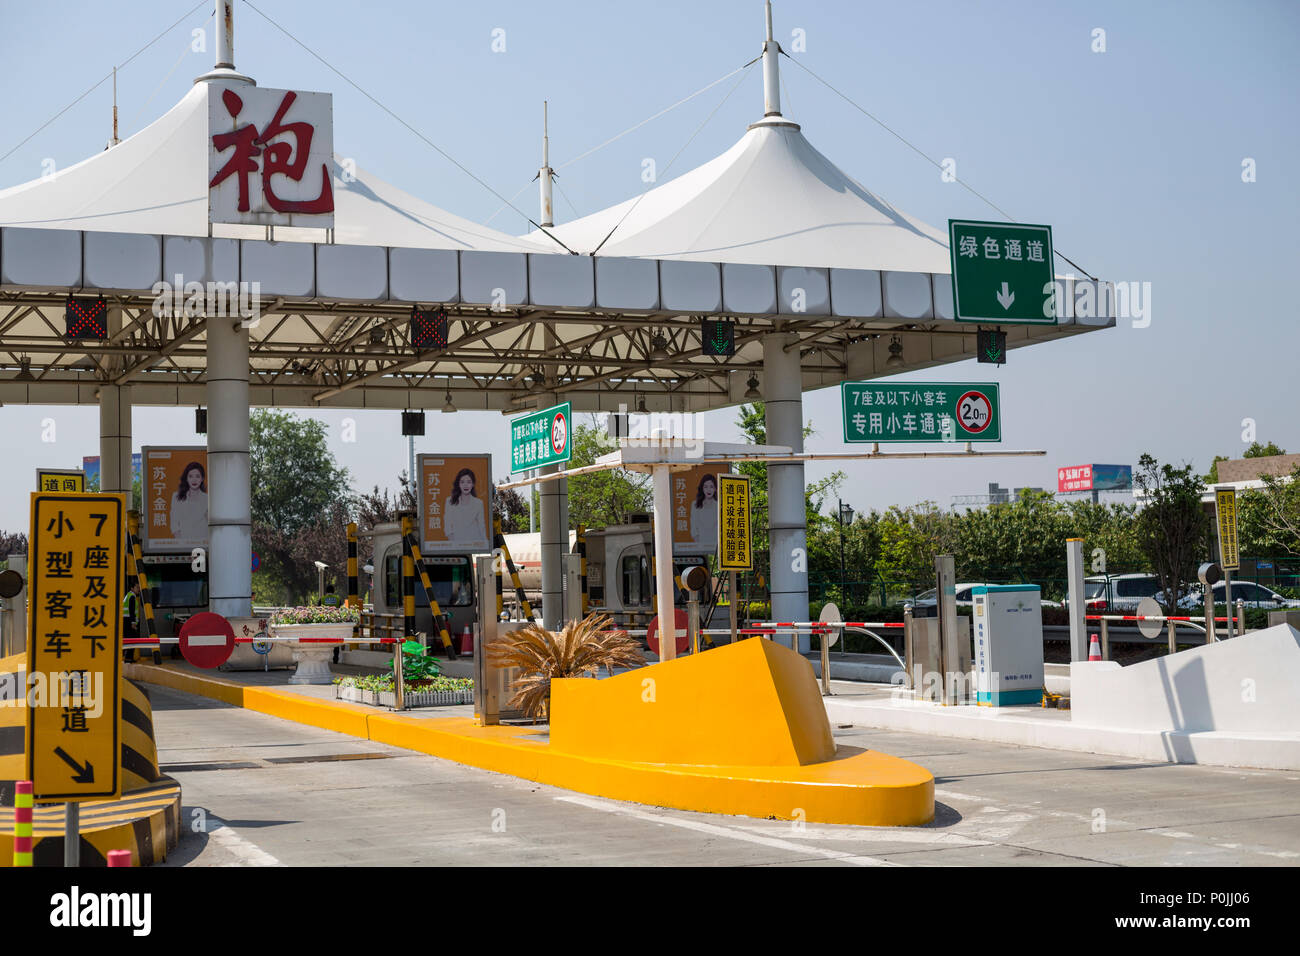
x: 867, y: 788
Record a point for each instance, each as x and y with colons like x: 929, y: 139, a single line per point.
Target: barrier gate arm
x: 500, y: 542
x: 439, y: 621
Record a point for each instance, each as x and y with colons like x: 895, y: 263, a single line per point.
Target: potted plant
x: 314, y: 632
x: 579, y: 649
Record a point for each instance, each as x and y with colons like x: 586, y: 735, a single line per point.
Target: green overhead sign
x: 1002, y: 273
x: 921, y: 412
x: 541, y: 438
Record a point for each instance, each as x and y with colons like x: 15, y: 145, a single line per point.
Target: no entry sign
x: 683, y: 641
x: 207, y: 640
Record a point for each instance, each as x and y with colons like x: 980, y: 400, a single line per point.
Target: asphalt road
x: 261, y: 791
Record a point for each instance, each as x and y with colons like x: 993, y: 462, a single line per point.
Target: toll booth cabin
x: 176, y: 591
x: 619, y: 579
x: 452, y: 577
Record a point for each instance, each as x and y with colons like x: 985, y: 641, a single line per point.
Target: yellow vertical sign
x: 60, y: 479
x: 1225, y: 510
x: 735, y: 533
x: 74, y: 645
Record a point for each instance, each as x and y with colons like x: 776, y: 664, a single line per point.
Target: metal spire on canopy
x: 771, y: 70
x: 224, y: 68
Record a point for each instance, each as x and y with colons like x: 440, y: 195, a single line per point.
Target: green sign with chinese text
x: 1002, y: 273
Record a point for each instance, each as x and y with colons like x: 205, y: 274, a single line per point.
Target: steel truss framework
x: 334, y: 354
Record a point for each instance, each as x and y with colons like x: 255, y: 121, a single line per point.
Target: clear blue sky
x: 1133, y: 155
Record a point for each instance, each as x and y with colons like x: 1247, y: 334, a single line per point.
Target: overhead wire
x: 428, y: 142
x: 688, y: 142
x: 920, y: 152
x: 107, y: 76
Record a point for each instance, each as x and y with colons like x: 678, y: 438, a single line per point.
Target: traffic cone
x: 1094, y: 649
x: 467, y: 641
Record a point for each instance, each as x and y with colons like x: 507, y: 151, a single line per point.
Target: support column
x: 115, y: 438
x: 554, y: 497
x: 662, y: 485
x: 230, y: 543
x: 787, y: 520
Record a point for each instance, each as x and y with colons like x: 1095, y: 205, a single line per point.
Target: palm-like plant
x: 580, y: 648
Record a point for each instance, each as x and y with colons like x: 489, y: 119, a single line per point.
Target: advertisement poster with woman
x: 455, y: 503
x: 175, y: 498
x: 695, y: 510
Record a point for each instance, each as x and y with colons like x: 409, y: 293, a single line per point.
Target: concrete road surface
x: 260, y: 791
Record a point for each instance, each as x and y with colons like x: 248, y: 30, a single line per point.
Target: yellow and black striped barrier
x: 354, y: 599
x: 411, y: 553
x: 499, y: 541
x: 145, y: 820
x: 135, y: 570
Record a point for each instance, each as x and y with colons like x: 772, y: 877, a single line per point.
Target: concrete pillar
x: 115, y: 438
x: 230, y: 543
x: 787, y: 521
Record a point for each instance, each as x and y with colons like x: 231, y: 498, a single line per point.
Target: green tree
x: 910, y: 538
x: 301, y: 500
x: 1172, y: 527
x: 1256, y: 450
x: 601, y: 498
x: 1270, y: 516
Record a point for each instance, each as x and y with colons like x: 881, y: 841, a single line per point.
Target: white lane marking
x: 732, y: 834
x: 248, y: 853
x: 883, y: 835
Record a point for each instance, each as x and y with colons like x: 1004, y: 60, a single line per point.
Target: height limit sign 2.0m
x: 1002, y: 273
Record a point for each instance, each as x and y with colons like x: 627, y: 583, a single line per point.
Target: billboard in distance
x: 455, y: 504
x: 175, y: 498
x: 1094, y: 478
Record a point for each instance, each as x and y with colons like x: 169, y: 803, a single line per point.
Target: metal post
x: 825, y: 644
x: 692, y: 622
x: 1241, y: 616
x: 733, y: 600
x: 1077, y: 610
x: 663, y: 540
x: 1173, y: 642
x: 908, y: 654
x: 1227, y: 599
x: 1105, y: 639
x: 399, y: 683
x: 945, y: 572
x: 72, y: 834
x: 1209, y: 615
x: 839, y: 516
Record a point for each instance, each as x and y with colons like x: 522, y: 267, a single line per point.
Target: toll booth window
x: 450, y: 580
x: 636, y: 580
x: 177, y: 586
x: 393, y: 579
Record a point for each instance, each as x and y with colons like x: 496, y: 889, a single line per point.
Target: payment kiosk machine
x: 1008, y: 624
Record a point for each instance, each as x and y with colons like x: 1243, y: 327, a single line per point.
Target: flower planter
x: 312, y: 646
x: 388, y: 698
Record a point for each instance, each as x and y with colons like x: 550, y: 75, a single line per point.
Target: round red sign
x: 207, y: 640
x: 974, y: 411
x: 683, y: 636
x: 559, y: 433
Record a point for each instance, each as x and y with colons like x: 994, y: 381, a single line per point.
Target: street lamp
x: 845, y: 517
x: 320, y: 578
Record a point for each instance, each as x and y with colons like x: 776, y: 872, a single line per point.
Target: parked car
x: 1118, y: 593
x: 924, y: 605
x: 1255, y: 595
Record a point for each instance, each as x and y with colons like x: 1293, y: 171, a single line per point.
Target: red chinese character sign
x: 270, y: 157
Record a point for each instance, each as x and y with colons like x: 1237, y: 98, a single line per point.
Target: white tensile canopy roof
x: 770, y: 199
x: 156, y: 182
x: 770, y: 236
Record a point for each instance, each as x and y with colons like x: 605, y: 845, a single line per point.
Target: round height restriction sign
x: 974, y: 411
x: 559, y: 433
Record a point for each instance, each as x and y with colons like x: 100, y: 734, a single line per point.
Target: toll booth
x: 1008, y: 624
